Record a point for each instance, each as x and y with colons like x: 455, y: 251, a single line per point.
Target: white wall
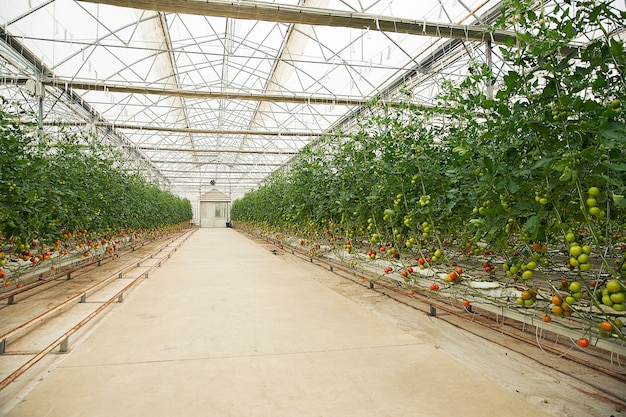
x: 214, y: 214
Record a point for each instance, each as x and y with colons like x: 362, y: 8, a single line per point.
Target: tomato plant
x: 526, y: 180
x: 67, y: 189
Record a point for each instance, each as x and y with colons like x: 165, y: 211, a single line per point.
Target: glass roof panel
x: 195, y: 97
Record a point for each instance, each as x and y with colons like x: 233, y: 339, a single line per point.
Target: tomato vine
x: 53, y: 187
x: 519, y: 177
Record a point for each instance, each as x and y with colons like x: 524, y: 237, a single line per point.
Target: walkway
x: 226, y: 328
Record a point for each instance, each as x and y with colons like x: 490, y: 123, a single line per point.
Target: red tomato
x: 583, y: 343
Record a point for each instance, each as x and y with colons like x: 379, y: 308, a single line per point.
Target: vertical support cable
x: 490, y: 66
x: 40, y: 92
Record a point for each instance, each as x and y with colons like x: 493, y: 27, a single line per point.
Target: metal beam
x: 253, y: 164
x: 220, y: 178
x: 202, y: 95
x: 271, y: 12
x: 190, y: 130
x: 199, y: 173
x: 74, y: 100
x: 199, y: 151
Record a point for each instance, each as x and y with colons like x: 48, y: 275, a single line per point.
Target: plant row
x: 68, y: 187
x: 531, y: 177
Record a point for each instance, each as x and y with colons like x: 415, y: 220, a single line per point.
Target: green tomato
x: 575, y: 286
x: 575, y: 251
x: 583, y: 258
x: 595, y: 211
x: 618, y: 297
x: 593, y: 191
x: 613, y: 286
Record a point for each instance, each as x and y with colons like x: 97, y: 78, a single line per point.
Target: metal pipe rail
x: 62, y: 270
x: 439, y: 302
x: 82, y: 297
x: 62, y: 340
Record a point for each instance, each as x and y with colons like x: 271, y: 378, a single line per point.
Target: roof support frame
x: 39, y: 67
x: 317, y: 17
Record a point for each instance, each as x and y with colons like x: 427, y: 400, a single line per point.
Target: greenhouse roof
x: 220, y: 94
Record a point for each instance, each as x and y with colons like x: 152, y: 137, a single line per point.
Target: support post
x: 120, y: 298
x: 64, y: 344
x: 3, y: 346
x: 11, y: 299
x: 40, y: 110
x: 83, y: 298
x: 490, y: 66
x: 433, y: 311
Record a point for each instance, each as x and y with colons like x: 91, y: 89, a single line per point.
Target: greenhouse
x: 312, y: 207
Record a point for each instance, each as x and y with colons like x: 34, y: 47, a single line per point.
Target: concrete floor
x: 226, y: 328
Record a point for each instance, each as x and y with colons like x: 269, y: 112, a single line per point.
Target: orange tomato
x: 607, y: 326
x: 556, y: 300
x: 583, y: 343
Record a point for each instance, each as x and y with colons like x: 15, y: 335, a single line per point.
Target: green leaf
x: 532, y: 224
x: 620, y: 167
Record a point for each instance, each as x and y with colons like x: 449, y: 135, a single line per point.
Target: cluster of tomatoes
x: 489, y: 267
x: 455, y: 276
x: 405, y: 274
x: 527, y: 298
